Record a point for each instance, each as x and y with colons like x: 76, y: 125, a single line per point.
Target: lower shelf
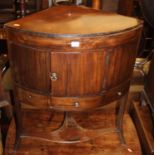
x: 108, y: 144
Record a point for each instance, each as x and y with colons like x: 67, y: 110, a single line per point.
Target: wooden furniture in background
x: 126, y: 7
x: 141, y: 9
x: 142, y: 113
x: 24, y: 7
x: 143, y: 121
x: 7, y: 13
x: 71, y: 68
x: 63, y: 2
x: 97, y: 4
x: 148, y: 92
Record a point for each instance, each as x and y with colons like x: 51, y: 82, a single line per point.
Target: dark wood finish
x: 73, y: 67
x: 126, y: 7
x: 104, y: 145
x: 149, y: 85
x: 35, y: 75
x: 4, y: 101
x: 24, y: 7
x: 143, y: 113
x: 7, y: 11
x: 141, y: 9
x: 33, y: 99
x: 144, y: 124
x: 45, y: 4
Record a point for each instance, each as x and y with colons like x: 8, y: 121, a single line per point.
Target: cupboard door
x: 59, y: 68
x: 30, y: 67
x: 78, y: 73
x: 120, y: 65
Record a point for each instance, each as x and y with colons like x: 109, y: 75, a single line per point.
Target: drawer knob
x: 50, y: 107
x: 29, y: 96
x: 76, y: 104
x: 119, y: 93
x: 53, y: 76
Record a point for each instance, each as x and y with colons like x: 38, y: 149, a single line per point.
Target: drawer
x: 116, y: 93
x: 85, y: 103
x: 76, y: 103
x: 32, y: 99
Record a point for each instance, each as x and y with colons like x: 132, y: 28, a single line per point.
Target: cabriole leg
x: 119, y: 118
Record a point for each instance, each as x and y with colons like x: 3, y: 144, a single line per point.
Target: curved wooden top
x: 73, y: 20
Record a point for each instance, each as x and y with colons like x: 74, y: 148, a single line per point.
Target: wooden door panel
x: 120, y: 64
x: 91, y: 72
x: 30, y: 67
x: 59, y: 66
x: 86, y: 73
x: 78, y: 73
x: 75, y: 74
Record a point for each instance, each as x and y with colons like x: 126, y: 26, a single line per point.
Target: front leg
x: 18, y: 123
x: 119, y: 117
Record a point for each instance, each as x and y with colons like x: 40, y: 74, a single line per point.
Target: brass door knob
x: 119, y: 93
x: 53, y: 76
x: 76, y: 104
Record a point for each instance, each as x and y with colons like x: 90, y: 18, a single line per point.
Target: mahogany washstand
x: 71, y: 59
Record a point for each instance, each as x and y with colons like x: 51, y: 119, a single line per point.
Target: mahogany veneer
x: 72, y: 58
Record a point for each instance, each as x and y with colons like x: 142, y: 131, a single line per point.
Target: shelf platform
x: 107, y: 144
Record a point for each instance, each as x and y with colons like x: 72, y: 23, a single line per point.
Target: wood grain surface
x: 70, y: 58
x: 108, y: 144
x: 75, y: 20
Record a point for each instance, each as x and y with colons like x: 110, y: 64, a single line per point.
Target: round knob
x: 119, y: 93
x: 53, y: 76
x: 29, y: 96
x: 69, y: 14
x: 76, y: 104
x: 50, y: 107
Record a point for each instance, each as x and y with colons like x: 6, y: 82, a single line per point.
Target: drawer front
x: 85, y: 103
x: 71, y: 103
x: 32, y: 99
x: 75, y: 103
x: 116, y: 93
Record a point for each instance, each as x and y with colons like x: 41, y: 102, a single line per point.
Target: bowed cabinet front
x: 74, y: 78
x: 71, y: 58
